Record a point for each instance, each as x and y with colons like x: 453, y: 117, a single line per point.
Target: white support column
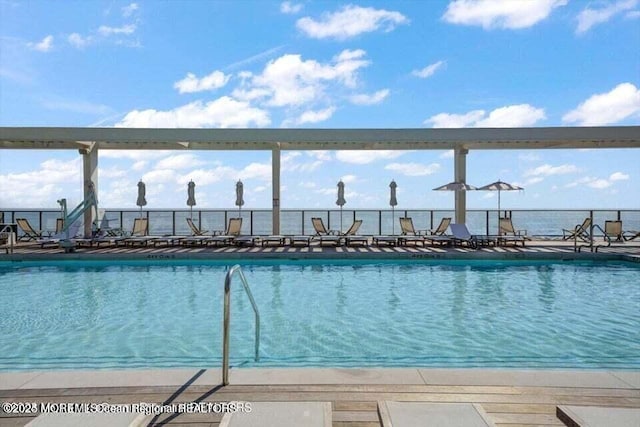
x: 90, y: 174
x: 275, y: 188
x: 460, y: 175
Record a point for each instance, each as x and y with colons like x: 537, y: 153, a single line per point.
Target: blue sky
x: 308, y: 64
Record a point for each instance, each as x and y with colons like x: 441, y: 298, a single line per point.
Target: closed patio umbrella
x: 142, y: 201
x: 191, y: 196
x: 393, y: 201
x: 239, y: 194
x: 341, y: 201
x: 500, y: 186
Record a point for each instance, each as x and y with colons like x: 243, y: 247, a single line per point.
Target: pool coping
x: 602, y: 379
x: 293, y: 256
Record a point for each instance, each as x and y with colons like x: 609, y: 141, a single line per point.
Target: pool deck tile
x: 530, y: 378
x: 630, y: 377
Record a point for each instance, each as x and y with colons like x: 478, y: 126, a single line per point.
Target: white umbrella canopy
x: 393, y: 201
x: 239, y: 195
x: 191, y: 195
x: 341, y: 201
x: 142, y: 191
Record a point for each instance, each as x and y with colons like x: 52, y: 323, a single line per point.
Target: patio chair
x: 195, y: 230
x: 228, y: 237
x: 320, y: 229
x: 580, y: 231
x: 613, y: 230
x: 30, y: 233
x: 631, y: 234
x: 441, y: 229
x: 408, y: 233
x: 461, y: 235
x: 508, y: 233
x: 60, y: 235
x: 349, y: 234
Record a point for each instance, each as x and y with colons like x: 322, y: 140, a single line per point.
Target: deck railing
x: 537, y: 222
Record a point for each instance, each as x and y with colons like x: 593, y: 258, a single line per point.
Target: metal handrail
x: 591, y: 246
x: 227, y: 319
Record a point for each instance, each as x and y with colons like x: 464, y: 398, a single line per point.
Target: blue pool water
x: 322, y: 313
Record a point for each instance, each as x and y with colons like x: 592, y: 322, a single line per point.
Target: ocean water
x: 259, y: 222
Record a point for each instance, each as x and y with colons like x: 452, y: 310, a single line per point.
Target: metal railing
x: 226, y: 320
x: 537, y: 222
x: 591, y: 246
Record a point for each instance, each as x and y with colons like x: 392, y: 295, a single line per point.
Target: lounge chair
x: 613, y: 230
x: 409, y: 233
x: 441, y: 230
x: 350, y: 234
x: 139, y: 235
x: 320, y: 229
x: 631, y: 234
x: 62, y: 234
x: 410, y: 414
x: 229, y: 237
x: 461, y: 235
x: 195, y: 230
x: 29, y: 233
x: 509, y: 234
x: 598, y: 416
x: 580, y: 231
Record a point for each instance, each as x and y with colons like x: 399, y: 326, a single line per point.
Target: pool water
x: 85, y: 315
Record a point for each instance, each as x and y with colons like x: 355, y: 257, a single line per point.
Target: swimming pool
x: 322, y: 313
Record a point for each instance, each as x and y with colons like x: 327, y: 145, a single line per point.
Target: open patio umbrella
x: 393, y: 201
x: 191, y: 196
x: 142, y: 201
x: 455, y: 186
x: 239, y: 194
x: 341, y: 201
x: 500, y: 186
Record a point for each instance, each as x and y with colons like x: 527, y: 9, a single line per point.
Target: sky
x: 321, y: 64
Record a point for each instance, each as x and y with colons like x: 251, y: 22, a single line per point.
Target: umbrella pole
x: 393, y: 221
x: 340, y: 219
x: 499, y: 212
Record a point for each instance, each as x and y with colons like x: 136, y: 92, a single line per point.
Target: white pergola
x: 88, y: 141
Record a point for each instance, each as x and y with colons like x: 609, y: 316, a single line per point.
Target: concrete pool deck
x: 509, y: 397
x: 534, y: 249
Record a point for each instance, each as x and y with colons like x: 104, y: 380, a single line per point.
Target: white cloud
x: 109, y: 31
x: 413, y: 169
x: 43, y: 185
x: 290, y: 8
x: 592, y: 182
x: 78, y: 41
x: 369, y: 99
x: 548, y: 170
x: 362, y: 157
x: 449, y: 154
x: 129, y: 10
x: 291, y: 81
x: 179, y: 161
x: 349, y: 179
x: 607, y: 108
x: 509, y: 116
x: 45, y: 45
x: 350, y: 21
x: 512, y: 14
x: 224, y: 112
x: 590, y: 17
x: 428, y: 71
x: 618, y: 176
x: 529, y: 157
x: 316, y: 116
x: 191, y: 83
x: 512, y: 116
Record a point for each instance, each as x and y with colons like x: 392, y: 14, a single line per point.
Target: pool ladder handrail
x: 226, y: 319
